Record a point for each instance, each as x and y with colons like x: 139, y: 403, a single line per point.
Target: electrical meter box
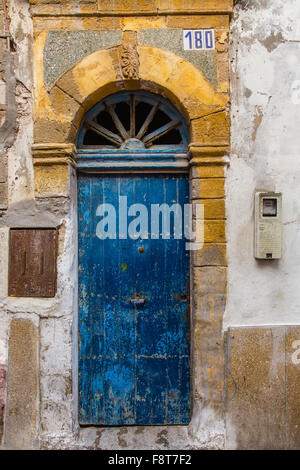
x: 268, y: 226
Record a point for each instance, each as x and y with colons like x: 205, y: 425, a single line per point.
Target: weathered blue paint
x: 134, y: 359
x: 139, y: 160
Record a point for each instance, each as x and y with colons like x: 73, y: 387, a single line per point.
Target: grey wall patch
x: 63, y: 49
x: 171, y: 39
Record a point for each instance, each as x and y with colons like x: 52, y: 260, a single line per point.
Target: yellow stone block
x: 212, y: 129
x: 197, y: 21
x: 213, y: 208
x: 137, y: 6
x: 51, y: 180
x: 223, y: 73
x: 93, y: 72
x: 197, y: 110
x: 76, y: 23
x: 292, y: 385
x: 110, y: 23
x: 46, y: 130
x: 61, y: 7
x: 196, y: 5
x: 164, y: 6
x: 214, y: 231
x: 210, y: 188
x: 65, y: 106
x: 207, y: 171
x: 156, y: 65
x: 143, y: 22
x: 210, y: 255
x: 41, y: 99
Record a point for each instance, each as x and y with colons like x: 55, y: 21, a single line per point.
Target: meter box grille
x: 268, y: 225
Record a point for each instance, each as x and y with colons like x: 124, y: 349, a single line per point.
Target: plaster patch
x: 273, y: 41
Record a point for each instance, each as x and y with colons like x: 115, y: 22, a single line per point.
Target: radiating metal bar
x: 110, y: 109
x: 104, y: 132
x: 132, y: 116
x: 160, y: 132
x: 148, y: 121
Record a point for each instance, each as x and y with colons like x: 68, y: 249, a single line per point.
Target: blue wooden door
x: 134, y: 348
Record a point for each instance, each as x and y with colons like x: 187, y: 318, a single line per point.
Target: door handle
x: 137, y: 301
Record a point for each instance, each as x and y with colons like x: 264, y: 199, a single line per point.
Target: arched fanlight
x: 133, y: 120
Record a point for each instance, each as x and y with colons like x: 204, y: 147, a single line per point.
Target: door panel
x: 134, y: 359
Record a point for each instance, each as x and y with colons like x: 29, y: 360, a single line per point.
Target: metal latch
x: 137, y: 301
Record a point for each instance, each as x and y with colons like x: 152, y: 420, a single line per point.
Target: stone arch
x: 58, y: 114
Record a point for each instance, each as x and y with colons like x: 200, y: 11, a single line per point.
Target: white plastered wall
x: 265, y: 155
